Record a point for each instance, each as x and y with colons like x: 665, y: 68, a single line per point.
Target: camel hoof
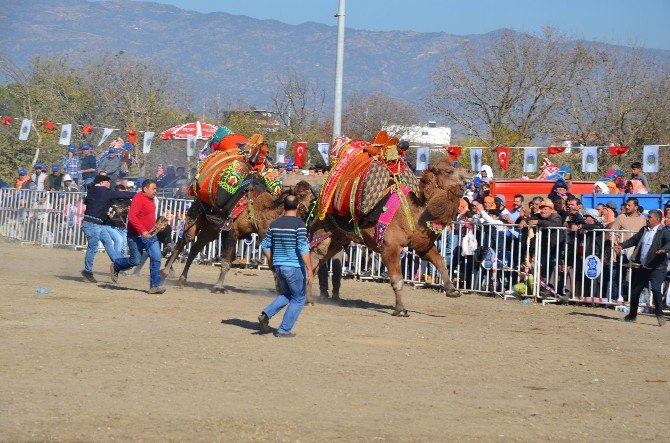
x: 219, y: 290
x: 454, y: 293
x: 400, y: 312
x: 164, y: 275
x: 309, y: 303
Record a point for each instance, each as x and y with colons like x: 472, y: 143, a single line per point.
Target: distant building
x: 267, y: 119
x: 430, y: 135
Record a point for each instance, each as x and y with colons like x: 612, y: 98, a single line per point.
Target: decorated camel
x: 371, y: 197
x: 236, y: 194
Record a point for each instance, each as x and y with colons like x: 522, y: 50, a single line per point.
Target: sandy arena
x: 89, y: 362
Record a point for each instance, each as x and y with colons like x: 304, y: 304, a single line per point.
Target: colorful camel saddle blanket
x: 395, y: 202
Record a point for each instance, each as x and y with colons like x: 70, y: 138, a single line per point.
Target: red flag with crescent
x: 299, y: 153
x: 551, y: 150
x: 86, y: 129
x: 503, y: 157
x: 49, y: 125
x: 132, y: 135
x: 6, y: 120
x: 454, y: 152
x: 618, y: 150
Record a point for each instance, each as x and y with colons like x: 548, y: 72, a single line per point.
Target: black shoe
x: 264, y: 323
x: 287, y: 335
x: 661, y: 320
x: 336, y: 295
x: 113, y: 273
x: 628, y: 318
x: 324, y: 294
x: 89, y: 276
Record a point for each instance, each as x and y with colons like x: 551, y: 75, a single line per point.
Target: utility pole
x: 339, y: 69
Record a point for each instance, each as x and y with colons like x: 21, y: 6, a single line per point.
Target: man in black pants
x: 336, y: 262
x: 648, y: 261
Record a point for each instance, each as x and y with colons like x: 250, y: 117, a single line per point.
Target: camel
x: 440, y: 189
x: 266, y: 208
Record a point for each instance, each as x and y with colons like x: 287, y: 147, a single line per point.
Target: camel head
x: 442, y: 186
x: 306, y: 195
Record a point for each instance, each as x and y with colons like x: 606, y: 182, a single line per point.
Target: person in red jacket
x: 142, y: 237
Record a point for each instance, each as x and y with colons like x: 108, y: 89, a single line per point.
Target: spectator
x: 631, y: 220
x: 499, y: 205
x: 612, y: 205
x: 182, y: 192
x: 607, y: 214
x: 170, y: 180
x: 69, y: 185
x: 517, y: 208
x: 469, y: 191
x: 55, y: 178
x: 649, y: 263
x: 612, y: 187
x: 111, y: 165
x: 70, y: 163
x: 548, y: 218
x: 560, y: 192
x: 334, y: 266
x: 88, y: 167
x: 98, y: 200
x: 634, y: 186
x: 161, y: 173
x: 636, y: 169
x: 40, y: 179
x: 285, y: 247
x: 142, y: 230
x: 22, y: 181
x: 182, y: 179
x: 601, y: 188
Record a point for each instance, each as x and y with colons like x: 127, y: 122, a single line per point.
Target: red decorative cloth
x: 503, y: 157
x: 454, y: 152
x: 49, y: 125
x: 132, y: 135
x: 618, y: 150
x: 6, y: 120
x: 551, y: 150
x: 86, y: 130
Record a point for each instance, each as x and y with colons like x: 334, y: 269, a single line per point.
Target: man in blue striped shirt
x: 285, y: 246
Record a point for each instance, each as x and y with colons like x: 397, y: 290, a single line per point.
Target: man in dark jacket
x: 98, y: 200
x: 550, y: 238
x: 652, y: 244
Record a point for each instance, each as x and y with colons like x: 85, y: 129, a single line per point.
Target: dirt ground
x: 99, y: 362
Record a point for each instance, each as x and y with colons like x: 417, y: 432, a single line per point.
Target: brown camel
x: 441, y: 187
x: 266, y: 208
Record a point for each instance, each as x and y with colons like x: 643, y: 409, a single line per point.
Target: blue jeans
x: 138, y: 244
x: 94, y: 235
x: 292, y: 284
x: 119, y: 239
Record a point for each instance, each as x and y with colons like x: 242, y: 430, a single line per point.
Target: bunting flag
x: 324, y: 149
x: 476, y: 159
x: 132, y: 135
x: 551, y: 150
x: 618, y: 150
x: 86, y: 130
x: 49, y: 125
x: 529, y: 159
x: 146, y: 143
x: 6, y: 120
x: 281, y: 152
x: 454, y: 152
x: 190, y: 145
x: 422, y: 158
x: 503, y: 157
x: 300, y: 153
x: 65, y: 134
x: 25, y: 129
x: 589, y: 159
x: 106, y: 133
x: 650, y: 158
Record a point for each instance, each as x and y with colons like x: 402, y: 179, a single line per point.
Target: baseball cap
x: 55, y: 168
x: 67, y: 178
x: 130, y: 184
x: 38, y: 166
x: 85, y: 147
x: 612, y: 205
x: 592, y: 213
x: 23, y: 172
x: 547, y: 203
x: 72, y: 148
x: 502, y: 198
x: 477, y: 182
x: 112, y: 150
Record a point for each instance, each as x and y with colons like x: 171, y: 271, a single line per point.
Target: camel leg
x: 228, y: 244
x: 185, y: 239
x: 207, y: 234
x: 320, y: 255
x: 391, y: 259
x: 436, y: 259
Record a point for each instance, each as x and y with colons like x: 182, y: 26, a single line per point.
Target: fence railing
x: 553, y: 264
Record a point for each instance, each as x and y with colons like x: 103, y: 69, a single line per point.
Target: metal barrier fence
x: 554, y: 264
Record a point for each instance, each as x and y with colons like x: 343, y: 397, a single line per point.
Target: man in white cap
x: 69, y: 185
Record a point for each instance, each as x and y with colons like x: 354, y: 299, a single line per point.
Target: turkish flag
x: 49, y: 125
x: 618, y: 150
x: 551, y: 150
x: 299, y: 153
x: 454, y: 152
x: 132, y: 135
x: 86, y: 130
x: 6, y: 120
x: 503, y: 157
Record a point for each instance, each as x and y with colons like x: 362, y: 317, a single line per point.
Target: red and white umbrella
x: 201, y: 131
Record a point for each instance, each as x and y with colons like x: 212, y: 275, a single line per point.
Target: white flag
x: 650, y: 158
x: 25, y: 129
x: 324, y: 149
x: 146, y: 145
x: 190, y: 145
x: 65, y: 134
x: 422, y: 158
x: 475, y: 159
x: 589, y: 159
x: 281, y: 152
x: 106, y: 133
x: 529, y: 159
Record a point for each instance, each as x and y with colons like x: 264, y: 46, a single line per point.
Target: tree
x: 507, y: 95
x: 365, y: 114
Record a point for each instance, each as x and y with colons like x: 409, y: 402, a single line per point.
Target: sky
x: 625, y: 22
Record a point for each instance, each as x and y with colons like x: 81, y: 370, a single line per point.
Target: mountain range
x: 229, y: 57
